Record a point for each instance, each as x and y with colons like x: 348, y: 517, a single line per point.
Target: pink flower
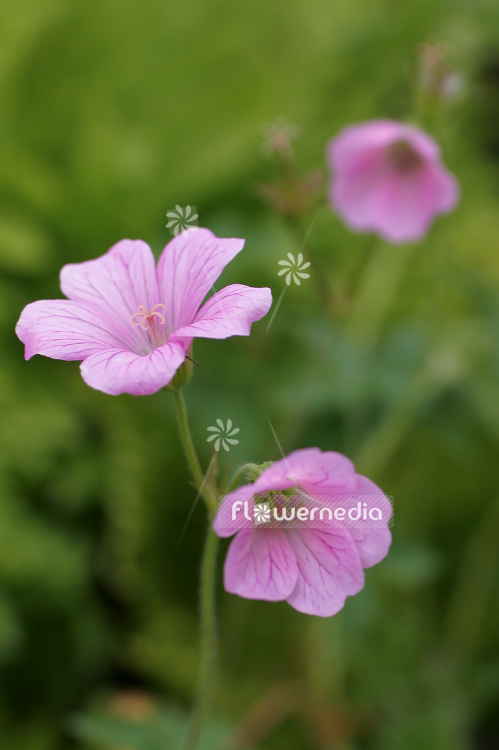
x: 284, y: 549
x: 132, y: 323
x: 387, y: 178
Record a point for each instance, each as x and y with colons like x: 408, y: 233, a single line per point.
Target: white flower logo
x: 294, y: 268
x: 223, y: 435
x: 182, y: 219
x: 262, y: 513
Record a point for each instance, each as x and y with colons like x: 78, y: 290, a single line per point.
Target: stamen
x: 143, y: 316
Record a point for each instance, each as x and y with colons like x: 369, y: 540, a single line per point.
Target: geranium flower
x: 388, y: 178
x: 132, y: 323
x: 313, y: 561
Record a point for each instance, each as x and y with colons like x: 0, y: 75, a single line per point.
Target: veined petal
x: 329, y: 570
x: 189, y: 266
x: 372, y: 543
x: 116, y: 371
x: 260, y: 564
x: 115, y: 285
x: 310, y: 469
x: 364, y: 513
x: 63, y: 329
x: 230, y: 312
x: 284, y: 473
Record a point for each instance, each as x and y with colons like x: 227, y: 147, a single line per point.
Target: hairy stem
x: 190, y: 453
x: 241, y: 472
x: 207, y: 667
x: 208, y: 655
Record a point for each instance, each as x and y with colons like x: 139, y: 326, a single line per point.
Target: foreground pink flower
x: 132, y: 323
x: 388, y: 178
x: 337, y: 525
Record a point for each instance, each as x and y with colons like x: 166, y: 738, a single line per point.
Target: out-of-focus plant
x: 101, y: 136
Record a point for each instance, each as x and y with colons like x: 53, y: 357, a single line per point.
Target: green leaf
x: 164, y: 729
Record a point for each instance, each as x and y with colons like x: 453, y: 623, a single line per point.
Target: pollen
x: 146, y: 320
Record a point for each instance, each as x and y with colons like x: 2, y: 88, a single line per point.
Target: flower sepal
x: 255, y: 470
x: 181, y: 377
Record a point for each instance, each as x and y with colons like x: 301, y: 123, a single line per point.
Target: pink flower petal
x: 372, y: 540
x: 398, y: 209
x: 426, y: 147
x: 439, y: 188
x: 351, y: 194
x: 230, y: 312
x: 394, y: 193
x: 311, y: 469
x: 403, y: 207
x: 62, y: 329
x: 114, y: 286
x: 119, y: 323
x: 116, y: 371
x: 368, y: 512
x: 260, y: 564
x: 329, y: 570
x: 189, y: 266
x: 359, y: 142
x: 372, y: 544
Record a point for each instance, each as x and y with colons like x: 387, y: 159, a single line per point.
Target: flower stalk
x: 208, y: 642
x: 200, y: 481
x: 208, y: 646
x: 247, y: 471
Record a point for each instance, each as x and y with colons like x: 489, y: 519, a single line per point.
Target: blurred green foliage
x: 111, y: 114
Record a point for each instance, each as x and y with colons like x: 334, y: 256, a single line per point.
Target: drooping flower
x: 133, y: 323
x: 388, y: 178
x: 304, y: 532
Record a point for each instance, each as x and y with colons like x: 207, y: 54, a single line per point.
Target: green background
x: 111, y: 113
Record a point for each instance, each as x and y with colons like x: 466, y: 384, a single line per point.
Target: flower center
x: 403, y: 156
x: 147, y: 320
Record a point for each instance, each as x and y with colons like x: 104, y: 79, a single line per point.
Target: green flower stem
x: 240, y: 473
x: 302, y: 231
x: 207, y: 668
x: 208, y: 655
x: 190, y: 453
x: 377, y: 290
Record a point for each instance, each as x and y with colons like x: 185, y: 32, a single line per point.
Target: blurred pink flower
x: 388, y: 178
x: 312, y: 563
x: 132, y: 323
